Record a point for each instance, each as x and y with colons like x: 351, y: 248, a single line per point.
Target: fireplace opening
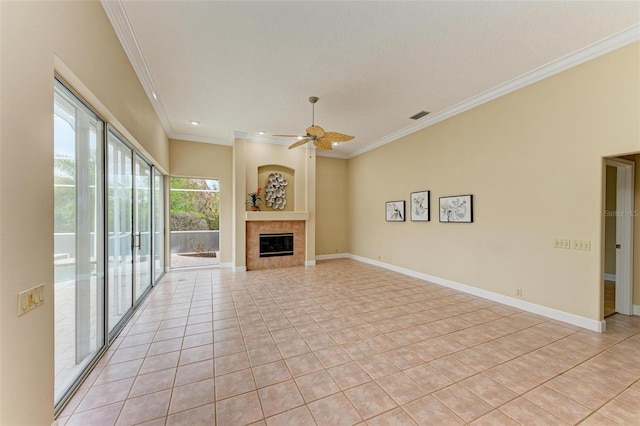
x: 276, y: 245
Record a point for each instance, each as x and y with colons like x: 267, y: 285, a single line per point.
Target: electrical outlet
x: 519, y: 292
x: 562, y: 243
x: 30, y: 299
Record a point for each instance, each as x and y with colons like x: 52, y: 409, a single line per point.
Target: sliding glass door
x: 78, y: 256
x: 158, y: 225
x: 142, y: 226
x: 99, y: 182
x: 130, y: 228
x: 120, y: 236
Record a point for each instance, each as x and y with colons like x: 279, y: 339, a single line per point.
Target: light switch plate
x: 562, y: 243
x: 30, y: 299
x: 581, y: 245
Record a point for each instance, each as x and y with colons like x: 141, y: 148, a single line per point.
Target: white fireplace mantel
x: 276, y: 215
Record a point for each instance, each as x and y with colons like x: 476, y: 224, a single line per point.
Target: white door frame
x: 624, y: 234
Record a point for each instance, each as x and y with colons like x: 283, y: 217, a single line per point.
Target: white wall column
x: 238, y: 246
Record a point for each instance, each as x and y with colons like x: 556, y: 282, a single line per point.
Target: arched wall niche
x: 288, y: 174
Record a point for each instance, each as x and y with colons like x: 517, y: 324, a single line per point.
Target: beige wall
x: 37, y: 38
x: 332, y: 223
x: 203, y: 160
x: 533, y: 161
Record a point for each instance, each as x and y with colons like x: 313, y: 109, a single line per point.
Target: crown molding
x: 607, y: 45
x: 332, y: 154
x: 203, y: 139
x: 287, y: 142
x: 268, y: 139
x: 120, y: 22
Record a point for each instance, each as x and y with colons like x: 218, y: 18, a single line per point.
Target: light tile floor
x: 347, y: 343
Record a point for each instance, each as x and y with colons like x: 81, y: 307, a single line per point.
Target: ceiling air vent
x: 418, y: 115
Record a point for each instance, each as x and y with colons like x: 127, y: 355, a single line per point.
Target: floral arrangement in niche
x: 254, y: 200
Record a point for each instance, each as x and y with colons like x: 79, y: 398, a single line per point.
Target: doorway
x: 195, y: 222
x: 618, y: 250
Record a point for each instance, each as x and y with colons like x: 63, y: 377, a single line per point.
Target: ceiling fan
x: 316, y: 134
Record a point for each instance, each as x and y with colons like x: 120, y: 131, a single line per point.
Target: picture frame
x: 456, y: 209
x: 395, y: 211
x: 419, y: 204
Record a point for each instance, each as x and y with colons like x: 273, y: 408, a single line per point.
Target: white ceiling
x: 246, y: 67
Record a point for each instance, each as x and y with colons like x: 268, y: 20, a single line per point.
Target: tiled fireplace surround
x: 255, y: 228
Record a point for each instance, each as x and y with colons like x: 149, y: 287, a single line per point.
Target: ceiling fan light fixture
x: 316, y: 134
x: 419, y: 115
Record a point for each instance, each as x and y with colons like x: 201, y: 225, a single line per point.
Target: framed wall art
x: 458, y: 208
x: 419, y: 205
x: 395, y: 211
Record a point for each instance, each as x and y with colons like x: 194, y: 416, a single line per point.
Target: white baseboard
x: 226, y: 265
x: 636, y: 309
x: 333, y: 256
x: 309, y: 263
x: 555, y: 314
x: 610, y: 277
x: 239, y: 269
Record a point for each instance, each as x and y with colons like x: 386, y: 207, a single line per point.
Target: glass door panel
x: 119, y: 214
x: 78, y: 239
x: 142, y: 230
x: 158, y: 225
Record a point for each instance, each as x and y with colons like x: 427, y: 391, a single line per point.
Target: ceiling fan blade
x: 337, y: 137
x: 323, y: 144
x: 316, y: 131
x: 298, y: 143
